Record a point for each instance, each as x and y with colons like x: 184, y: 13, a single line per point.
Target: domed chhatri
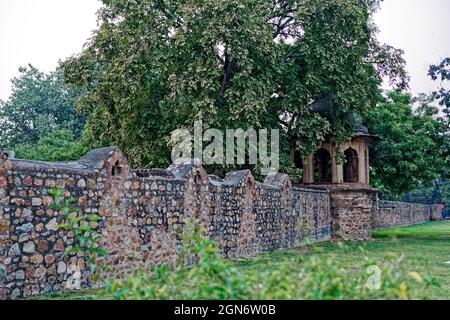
x: 344, y: 164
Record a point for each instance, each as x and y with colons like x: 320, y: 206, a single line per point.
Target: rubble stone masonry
x: 140, y: 211
x: 387, y: 214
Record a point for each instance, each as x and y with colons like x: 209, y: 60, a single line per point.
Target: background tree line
x: 157, y: 65
x: 39, y: 120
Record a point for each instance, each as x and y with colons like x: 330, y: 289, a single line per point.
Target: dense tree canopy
x: 156, y: 65
x: 39, y: 104
x: 413, y: 149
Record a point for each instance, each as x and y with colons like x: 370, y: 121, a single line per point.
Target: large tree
x: 39, y: 104
x: 413, y: 149
x: 155, y: 65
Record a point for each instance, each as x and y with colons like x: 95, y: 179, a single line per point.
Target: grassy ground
x: 426, y: 249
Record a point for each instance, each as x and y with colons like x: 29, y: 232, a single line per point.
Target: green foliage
x: 154, y: 66
x: 412, y: 150
x: 316, y: 278
x: 83, y: 227
x: 58, y: 145
x: 438, y: 193
x: 210, y: 277
x: 441, y: 72
x: 39, y: 104
x: 307, y: 276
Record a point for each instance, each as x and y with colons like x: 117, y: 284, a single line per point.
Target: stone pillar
x: 336, y: 174
x: 288, y: 217
x: 436, y: 212
x: 245, y: 241
x: 119, y: 237
x: 361, y: 165
x: 339, y: 168
x: 351, y: 215
x: 366, y: 168
x: 308, y: 174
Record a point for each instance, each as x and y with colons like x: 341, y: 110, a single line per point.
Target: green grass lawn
x: 426, y: 249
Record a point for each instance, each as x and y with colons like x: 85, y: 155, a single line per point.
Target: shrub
x: 81, y: 225
x: 59, y: 145
x: 307, y: 276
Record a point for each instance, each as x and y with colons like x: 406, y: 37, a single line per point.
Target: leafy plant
x: 307, y: 276
x: 211, y: 277
x: 305, y: 231
x: 441, y: 72
x: 58, y: 145
x: 413, y: 147
x: 81, y: 225
x: 39, y: 104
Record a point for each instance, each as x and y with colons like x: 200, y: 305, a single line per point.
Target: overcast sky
x: 41, y: 32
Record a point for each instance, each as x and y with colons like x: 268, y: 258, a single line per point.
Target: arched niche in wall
x: 108, y: 162
x: 322, y: 166
x: 351, y: 166
x: 116, y: 169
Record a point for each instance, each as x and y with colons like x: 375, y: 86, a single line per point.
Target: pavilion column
x: 334, y: 173
x: 337, y: 167
x: 361, y: 164
x: 363, y: 160
x: 366, y: 158
x: 308, y: 175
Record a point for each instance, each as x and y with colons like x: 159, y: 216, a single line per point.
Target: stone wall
x: 386, y: 214
x: 436, y: 212
x: 350, y: 211
x: 140, y: 211
x: 32, y: 258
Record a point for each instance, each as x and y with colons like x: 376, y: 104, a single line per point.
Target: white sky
x: 422, y: 29
x: 41, y: 32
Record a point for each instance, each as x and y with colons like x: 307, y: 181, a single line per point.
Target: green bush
x: 306, y: 276
x: 87, y: 238
x: 59, y: 145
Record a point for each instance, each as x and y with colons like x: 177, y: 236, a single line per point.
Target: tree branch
x: 229, y: 65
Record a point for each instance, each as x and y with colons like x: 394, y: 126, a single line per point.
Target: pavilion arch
x: 297, y: 159
x: 322, y: 166
x: 351, y: 166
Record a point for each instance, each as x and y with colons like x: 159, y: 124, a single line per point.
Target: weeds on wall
x: 82, y: 226
x: 307, y: 276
